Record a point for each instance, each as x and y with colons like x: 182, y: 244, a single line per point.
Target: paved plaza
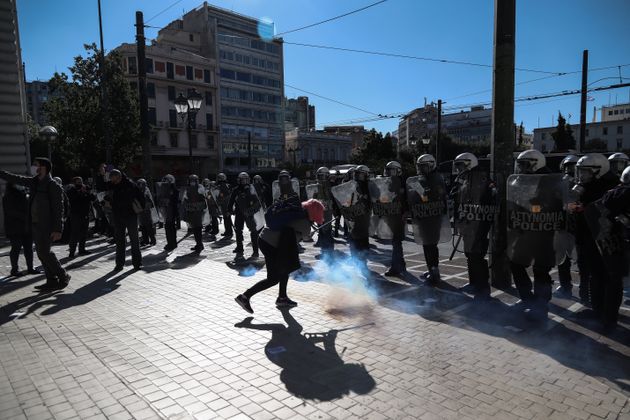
x: 170, y: 342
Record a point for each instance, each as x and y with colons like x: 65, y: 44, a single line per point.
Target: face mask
x: 34, y: 169
x: 523, y: 167
x: 585, y: 176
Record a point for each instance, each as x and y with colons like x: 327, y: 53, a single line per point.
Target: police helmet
x: 258, y: 179
x: 567, y: 166
x: 169, y: 179
x: 243, y: 178
x: 142, y: 183
x: 221, y: 177
x: 625, y: 176
x: 591, y: 166
x: 206, y: 182
x: 392, y: 168
x: 530, y: 161
x: 58, y: 181
x: 193, y: 180
x: 323, y: 174
x: 425, y: 164
x: 361, y: 173
x: 618, y: 162
x: 465, y: 162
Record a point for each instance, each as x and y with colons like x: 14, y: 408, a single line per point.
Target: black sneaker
x: 34, y: 271
x: 237, y: 251
x: 392, y: 273
x: 563, y: 292
x: 243, y: 302
x: 118, y: 268
x: 285, y: 302
x: 85, y: 252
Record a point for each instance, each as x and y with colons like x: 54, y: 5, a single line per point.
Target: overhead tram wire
x: 164, y: 10
x: 332, y: 100
x: 413, y: 57
x: 333, y: 18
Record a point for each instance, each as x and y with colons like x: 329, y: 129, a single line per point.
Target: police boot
x: 432, y: 276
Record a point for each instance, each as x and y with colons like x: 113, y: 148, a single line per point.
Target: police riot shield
x: 195, y: 207
x: 535, y: 215
x: 427, y: 203
x: 249, y: 203
x: 608, y: 236
x: 475, y: 209
x: 321, y: 193
x: 275, y: 188
x: 386, y: 206
x: 349, y: 201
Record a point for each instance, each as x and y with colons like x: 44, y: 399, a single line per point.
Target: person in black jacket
x: 127, y: 202
x: 287, y: 225
x: 46, y: 218
x: 80, y: 198
x: 17, y: 228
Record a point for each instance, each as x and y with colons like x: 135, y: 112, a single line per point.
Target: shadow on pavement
x: 308, y: 371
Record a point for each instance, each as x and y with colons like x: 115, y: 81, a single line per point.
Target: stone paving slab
x: 169, y: 342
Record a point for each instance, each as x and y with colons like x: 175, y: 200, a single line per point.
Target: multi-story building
x: 299, y: 114
x: 615, y: 133
x: 616, y: 112
x: 171, y: 71
x: 14, y: 147
x: 37, y: 93
x: 356, y: 132
x: 474, y: 125
x: 250, y: 82
x: 317, y: 148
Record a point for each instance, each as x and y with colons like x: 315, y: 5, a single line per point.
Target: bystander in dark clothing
x: 46, y: 218
x: 17, y: 227
x: 80, y: 198
x: 148, y: 218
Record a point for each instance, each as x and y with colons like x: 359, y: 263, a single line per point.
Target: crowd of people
x: 584, y: 208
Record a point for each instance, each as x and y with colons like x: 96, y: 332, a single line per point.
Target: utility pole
x: 104, y: 100
x: 583, y: 101
x: 502, y: 144
x: 144, y: 100
x: 249, y: 151
x: 439, y: 132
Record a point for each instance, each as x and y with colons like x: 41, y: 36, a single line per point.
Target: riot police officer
x: 262, y: 189
x: 223, y: 199
x: 360, y: 229
x: 618, y: 162
x: 213, y: 208
x: 168, y: 202
x: 284, y: 188
x: 242, y: 201
x: 195, y: 207
x: 429, y: 213
x: 321, y: 192
x: 565, y: 290
x: 475, y: 209
x: 393, y: 215
x: 594, y: 179
x: 335, y: 179
x: 532, y: 243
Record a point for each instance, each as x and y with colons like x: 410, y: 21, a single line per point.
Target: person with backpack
x: 287, y: 225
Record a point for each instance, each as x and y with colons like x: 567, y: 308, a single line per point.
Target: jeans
x: 130, y: 226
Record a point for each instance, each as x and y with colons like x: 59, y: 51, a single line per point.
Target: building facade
x: 250, y: 82
x: 317, y: 148
x: 616, y: 112
x: 37, y: 94
x: 614, y: 133
x: 355, y: 132
x: 299, y: 114
x: 417, y: 125
x: 171, y: 71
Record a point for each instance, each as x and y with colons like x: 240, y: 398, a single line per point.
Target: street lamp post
x: 294, y: 150
x: 187, y: 109
x: 426, y: 141
x: 48, y: 133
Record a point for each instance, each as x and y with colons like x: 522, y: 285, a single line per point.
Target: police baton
x: 317, y: 228
x: 459, y: 239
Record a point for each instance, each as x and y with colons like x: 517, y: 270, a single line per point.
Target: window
x: 210, y: 141
x: 228, y: 74
x: 206, y: 76
x: 605, y: 131
x: 198, y: 74
x: 154, y: 139
x: 616, y: 112
x: 172, y: 118
x: 193, y: 140
x: 133, y: 68
x: 208, y: 98
x: 149, y: 65
x: 173, y: 140
x: 542, y: 136
x: 171, y: 93
x: 180, y: 70
x: 627, y: 110
x: 152, y: 116
x: 191, y: 37
x: 169, y: 71
x: 189, y: 72
x: 133, y: 86
x: 621, y: 112
x: 244, y: 77
x: 160, y: 66
x: 609, y: 112
x: 619, y: 144
x: 620, y: 129
x: 209, y: 121
x: 151, y: 90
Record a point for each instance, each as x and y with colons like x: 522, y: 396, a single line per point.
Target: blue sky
x: 550, y: 36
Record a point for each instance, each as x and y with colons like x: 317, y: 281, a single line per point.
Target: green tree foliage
x: 75, y: 110
x: 563, y: 136
x: 375, y: 151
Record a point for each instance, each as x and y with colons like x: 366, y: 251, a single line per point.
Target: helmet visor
x: 460, y: 166
x: 585, y: 174
x: 618, y: 165
x: 525, y: 166
x: 423, y: 168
